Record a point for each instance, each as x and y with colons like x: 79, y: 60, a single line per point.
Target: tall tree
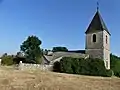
x: 31, y: 49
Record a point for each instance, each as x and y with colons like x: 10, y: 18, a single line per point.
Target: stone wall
x: 94, y: 45
x: 100, y: 48
x: 95, y: 53
x: 95, y: 49
x: 106, y: 46
x: 26, y: 66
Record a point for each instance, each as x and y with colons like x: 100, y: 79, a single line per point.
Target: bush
x: 116, y: 69
x: 93, y: 67
x: 66, y: 65
x: 109, y: 73
x: 7, y: 60
x: 96, y: 67
x: 56, y: 66
x: 115, y: 64
x: 17, y: 60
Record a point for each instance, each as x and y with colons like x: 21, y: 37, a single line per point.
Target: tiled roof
x: 57, y: 55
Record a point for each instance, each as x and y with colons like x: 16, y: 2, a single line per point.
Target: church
x: 97, y: 44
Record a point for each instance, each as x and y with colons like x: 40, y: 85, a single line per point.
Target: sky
x: 55, y: 22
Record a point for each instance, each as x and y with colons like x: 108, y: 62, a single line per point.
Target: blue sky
x: 55, y: 22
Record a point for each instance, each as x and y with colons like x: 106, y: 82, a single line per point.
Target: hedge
x: 93, y: 67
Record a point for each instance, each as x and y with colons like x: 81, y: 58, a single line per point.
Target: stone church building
x: 98, y: 40
x: 97, y: 44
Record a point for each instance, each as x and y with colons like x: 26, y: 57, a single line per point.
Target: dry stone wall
x: 26, y: 66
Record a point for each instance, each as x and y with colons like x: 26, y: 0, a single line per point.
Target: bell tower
x: 98, y: 39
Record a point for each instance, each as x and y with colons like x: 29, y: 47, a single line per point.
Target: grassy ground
x: 11, y: 79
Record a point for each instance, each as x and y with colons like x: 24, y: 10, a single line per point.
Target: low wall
x: 24, y: 66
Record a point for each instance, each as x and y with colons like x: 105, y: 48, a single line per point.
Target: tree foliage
x: 16, y: 60
x: 31, y: 49
x: 94, y: 67
x: 115, y: 64
x: 89, y: 66
x: 55, y: 49
x: 56, y: 66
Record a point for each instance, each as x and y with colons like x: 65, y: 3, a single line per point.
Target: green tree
x: 31, y: 49
x: 55, y: 49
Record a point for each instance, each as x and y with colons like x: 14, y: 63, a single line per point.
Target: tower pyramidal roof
x: 97, y: 24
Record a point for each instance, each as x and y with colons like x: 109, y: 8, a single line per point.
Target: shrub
x: 109, y: 73
x: 75, y: 65
x: 7, y: 60
x: 66, y: 65
x: 16, y: 60
x: 116, y: 69
x: 94, y: 67
x: 115, y: 64
x: 56, y: 66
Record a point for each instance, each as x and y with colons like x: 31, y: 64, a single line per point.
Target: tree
x: 55, y: 49
x: 31, y: 49
x: 19, y: 54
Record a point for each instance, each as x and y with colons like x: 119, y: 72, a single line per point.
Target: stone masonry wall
x: 25, y: 66
x: 95, y: 49
x: 106, y: 46
x: 94, y: 45
x: 100, y: 48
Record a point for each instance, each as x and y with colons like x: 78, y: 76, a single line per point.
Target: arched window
x: 94, y: 37
x: 106, y: 39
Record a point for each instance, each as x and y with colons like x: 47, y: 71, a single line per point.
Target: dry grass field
x: 11, y: 79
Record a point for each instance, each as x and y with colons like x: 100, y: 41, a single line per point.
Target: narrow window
x: 106, y: 64
x: 94, y: 37
x: 106, y: 39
